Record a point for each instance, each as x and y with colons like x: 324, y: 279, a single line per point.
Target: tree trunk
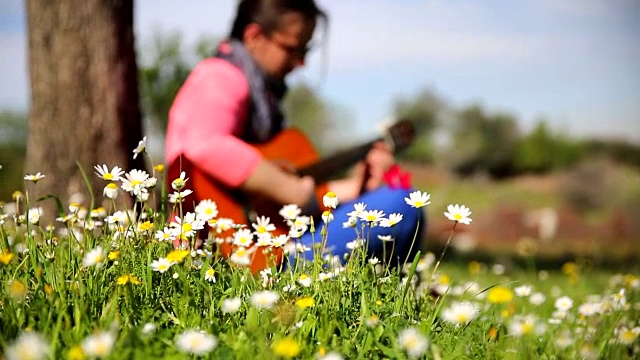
x: 84, y: 94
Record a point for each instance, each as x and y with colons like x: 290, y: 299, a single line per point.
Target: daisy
x: 240, y: 257
x: 590, y: 308
x: 221, y: 224
x: 264, y: 299
x: 33, y: 215
x: 458, y: 213
x: 34, y: 178
x: 134, y: 182
x: 196, y: 342
x: 180, y: 182
x: 413, y: 342
x: 186, y: 227
x: 371, y: 216
x: 243, y: 237
x: 525, y: 325
x: 165, y: 235
x: 99, y: 344
x: 264, y: 240
x: 330, y: 200
x: 231, y: 305
x: 304, y: 280
x: 385, y: 238
x: 563, y: 303
x: 93, y: 257
x: 358, y: 208
x: 327, y: 216
x: 110, y: 191
x: 206, y: 210
x: 118, y: 217
x: 392, y: 221
x: 161, y: 265
x: 418, y: 199
x: 279, y: 241
x: 460, y: 313
x: 142, y: 144
x: 523, y: 291
x: 290, y: 212
x: 29, y: 345
x: 210, y: 275
x: 350, y: 223
x: 263, y: 225
x: 148, y: 328
x: 179, y: 196
x: 103, y: 172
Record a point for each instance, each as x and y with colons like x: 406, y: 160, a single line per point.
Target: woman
x: 230, y: 104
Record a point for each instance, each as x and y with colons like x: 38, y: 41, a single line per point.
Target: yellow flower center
x: 108, y: 176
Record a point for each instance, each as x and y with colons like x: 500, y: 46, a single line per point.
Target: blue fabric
x: 385, y: 199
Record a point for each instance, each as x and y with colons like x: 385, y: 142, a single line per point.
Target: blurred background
x: 528, y: 112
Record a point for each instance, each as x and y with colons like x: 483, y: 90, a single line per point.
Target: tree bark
x: 84, y: 93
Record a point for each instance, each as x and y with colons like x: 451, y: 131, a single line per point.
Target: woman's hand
x: 378, y: 161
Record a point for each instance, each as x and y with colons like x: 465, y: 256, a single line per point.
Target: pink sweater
x: 206, y: 120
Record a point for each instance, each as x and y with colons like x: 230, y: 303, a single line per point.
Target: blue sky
x: 574, y: 62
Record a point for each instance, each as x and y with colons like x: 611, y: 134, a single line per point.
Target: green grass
x: 48, y: 288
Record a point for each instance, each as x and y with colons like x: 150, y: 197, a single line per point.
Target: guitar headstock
x: 400, y: 134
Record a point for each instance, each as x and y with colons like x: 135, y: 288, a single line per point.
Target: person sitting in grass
x: 229, y: 109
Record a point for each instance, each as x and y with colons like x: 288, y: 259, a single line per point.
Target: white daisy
x: 305, y: 280
x: 93, y: 257
x: 165, y: 235
x: 206, y: 210
x: 563, y: 303
x: 210, y: 275
x: 264, y: 240
x: 523, y: 291
x: 196, y: 342
x: 161, y: 265
x: 393, y: 220
x: 134, y: 182
x: 243, y: 237
x: 279, y: 241
x: 413, y: 342
x: 180, y: 182
x: 29, y: 345
x: 34, y: 178
x: 460, y: 313
x: 458, y: 213
x: 371, y: 216
x: 142, y: 144
x: 110, y: 191
x: 241, y: 257
x: 327, y: 216
x: 537, y: 298
x: 290, y: 212
x: 263, y: 225
x: 330, y: 200
x: 99, y: 344
x: 179, y: 196
x: 418, y: 199
x: 231, y: 305
x: 358, y: 209
x: 264, y: 299
x: 103, y: 172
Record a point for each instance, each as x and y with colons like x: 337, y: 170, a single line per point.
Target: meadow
x: 127, y: 283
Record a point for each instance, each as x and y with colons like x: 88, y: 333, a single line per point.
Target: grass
x: 96, y: 291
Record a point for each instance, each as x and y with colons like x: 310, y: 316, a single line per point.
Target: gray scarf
x: 265, y: 117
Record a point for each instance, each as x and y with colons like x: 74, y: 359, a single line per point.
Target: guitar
x: 293, y: 150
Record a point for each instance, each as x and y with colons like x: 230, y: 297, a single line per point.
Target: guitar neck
x: 332, y: 166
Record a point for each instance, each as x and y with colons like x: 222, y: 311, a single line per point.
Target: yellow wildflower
x: 76, y: 353
x: 124, y: 279
x: 145, y: 226
x: 287, y: 348
x: 6, y: 257
x: 159, y: 168
x: 305, y: 302
x: 177, y: 255
x: 113, y: 255
x: 499, y: 295
x: 17, y: 290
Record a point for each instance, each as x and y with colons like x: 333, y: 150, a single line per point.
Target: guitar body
x: 291, y: 150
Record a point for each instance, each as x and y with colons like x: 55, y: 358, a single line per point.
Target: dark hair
x: 267, y: 13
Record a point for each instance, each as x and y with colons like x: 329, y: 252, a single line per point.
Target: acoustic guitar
x: 292, y: 150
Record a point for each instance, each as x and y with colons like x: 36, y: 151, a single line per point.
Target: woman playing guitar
x: 226, y: 127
